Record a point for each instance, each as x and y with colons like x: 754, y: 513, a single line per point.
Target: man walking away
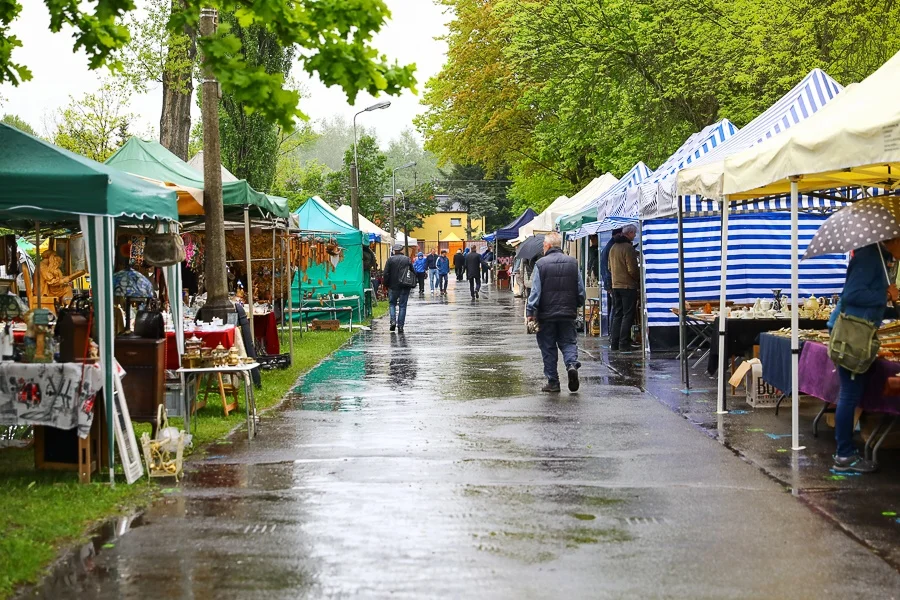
x: 431, y: 267
x: 443, y: 272
x: 458, y: 264
x: 487, y: 260
x: 557, y: 291
x: 473, y: 272
x: 626, y: 279
x: 398, y: 293
x: 419, y: 267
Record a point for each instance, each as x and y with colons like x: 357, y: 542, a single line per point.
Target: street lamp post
x: 354, y: 168
x: 394, y: 195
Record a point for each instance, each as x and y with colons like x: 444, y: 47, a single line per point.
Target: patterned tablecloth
x: 57, y: 395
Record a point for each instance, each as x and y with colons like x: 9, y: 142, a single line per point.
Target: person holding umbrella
x: 871, y: 230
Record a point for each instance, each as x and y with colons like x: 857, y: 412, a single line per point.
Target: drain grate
x: 259, y: 529
x: 646, y: 521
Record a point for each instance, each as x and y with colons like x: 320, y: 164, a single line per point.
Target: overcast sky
x: 58, y: 72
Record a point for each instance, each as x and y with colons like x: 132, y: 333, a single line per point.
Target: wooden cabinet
x: 144, y: 361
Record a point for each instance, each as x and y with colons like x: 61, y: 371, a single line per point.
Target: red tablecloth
x: 266, y: 329
x: 819, y: 378
x: 211, y: 339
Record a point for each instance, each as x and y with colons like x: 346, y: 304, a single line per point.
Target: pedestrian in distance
x: 420, y: 267
x: 473, y: 272
x: 626, y: 277
x: 605, y: 276
x: 398, y: 288
x: 487, y: 260
x: 431, y: 267
x: 443, y: 271
x: 867, y: 290
x: 459, y: 264
x: 465, y: 266
x: 557, y: 291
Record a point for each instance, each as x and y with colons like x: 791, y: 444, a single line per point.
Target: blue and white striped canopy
x: 607, y: 224
x: 759, y: 260
x: 812, y: 93
x: 657, y: 191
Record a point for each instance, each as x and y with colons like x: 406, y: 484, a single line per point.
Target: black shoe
x: 629, y: 348
x: 573, y: 378
x: 400, y: 329
x: 393, y: 326
x: 550, y: 386
x: 853, y: 464
x: 478, y: 294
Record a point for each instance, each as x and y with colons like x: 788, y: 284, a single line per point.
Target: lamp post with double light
x: 394, y: 191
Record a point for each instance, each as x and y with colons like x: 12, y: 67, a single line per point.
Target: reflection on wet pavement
x: 428, y: 465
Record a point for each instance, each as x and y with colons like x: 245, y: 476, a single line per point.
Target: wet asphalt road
x: 429, y: 465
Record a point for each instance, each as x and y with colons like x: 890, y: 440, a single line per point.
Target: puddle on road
x: 266, y: 477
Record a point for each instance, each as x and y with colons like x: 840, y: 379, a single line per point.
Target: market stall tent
x: 150, y: 159
x: 376, y: 234
x: 41, y: 183
x: 347, y: 277
x: 705, y: 180
x: 454, y: 243
x: 590, y: 212
x: 196, y: 163
x: 545, y: 221
x: 511, y: 231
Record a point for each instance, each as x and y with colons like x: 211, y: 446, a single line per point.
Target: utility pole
x: 354, y: 190
x: 215, y: 279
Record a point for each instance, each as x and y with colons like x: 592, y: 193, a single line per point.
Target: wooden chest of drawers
x: 144, y: 361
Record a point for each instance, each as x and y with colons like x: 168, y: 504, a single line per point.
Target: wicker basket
x: 164, y: 456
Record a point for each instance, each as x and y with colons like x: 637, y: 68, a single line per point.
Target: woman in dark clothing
x: 866, y: 291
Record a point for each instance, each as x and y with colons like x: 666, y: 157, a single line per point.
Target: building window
x: 455, y: 222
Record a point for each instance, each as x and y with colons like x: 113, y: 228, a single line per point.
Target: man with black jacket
x: 473, y: 272
x: 431, y: 268
x: 557, y: 291
x: 398, y: 293
x: 458, y: 264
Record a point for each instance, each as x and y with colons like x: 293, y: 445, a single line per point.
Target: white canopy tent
x: 543, y: 222
x: 345, y: 212
x: 196, y: 163
x: 707, y: 179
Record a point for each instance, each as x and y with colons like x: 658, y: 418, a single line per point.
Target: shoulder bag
x: 854, y: 342
x: 407, y: 276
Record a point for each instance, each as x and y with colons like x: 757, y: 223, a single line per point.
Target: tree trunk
x: 178, y: 87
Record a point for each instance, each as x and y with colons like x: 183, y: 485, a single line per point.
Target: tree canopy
x: 561, y: 91
x: 333, y: 41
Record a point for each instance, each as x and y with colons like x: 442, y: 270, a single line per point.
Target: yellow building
x: 441, y: 224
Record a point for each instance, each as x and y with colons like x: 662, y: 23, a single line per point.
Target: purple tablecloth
x: 818, y: 378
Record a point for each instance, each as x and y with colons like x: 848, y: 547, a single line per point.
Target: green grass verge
x: 44, y: 511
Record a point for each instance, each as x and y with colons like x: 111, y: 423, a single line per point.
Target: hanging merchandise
x: 164, y: 249
x: 193, y: 251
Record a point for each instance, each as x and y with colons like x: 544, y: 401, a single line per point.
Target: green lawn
x: 44, y: 511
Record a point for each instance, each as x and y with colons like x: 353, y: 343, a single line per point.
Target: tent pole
x: 795, y: 316
x: 37, y: 268
x: 584, y: 306
x: 645, y: 331
x: 682, y: 342
x: 723, y: 360
x: 249, y: 270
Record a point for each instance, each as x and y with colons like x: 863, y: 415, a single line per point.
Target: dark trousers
x: 624, y: 305
x: 561, y: 335
x: 459, y: 273
x: 420, y: 277
x: 484, y: 273
x: 475, y: 284
x: 852, y: 388
x: 442, y: 281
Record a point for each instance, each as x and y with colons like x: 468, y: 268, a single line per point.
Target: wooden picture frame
x: 129, y: 451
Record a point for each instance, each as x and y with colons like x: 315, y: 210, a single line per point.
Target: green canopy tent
x: 315, y: 218
x: 43, y: 184
x: 150, y: 159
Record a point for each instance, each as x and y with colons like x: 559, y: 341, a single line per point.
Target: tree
x: 19, y: 123
x: 407, y: 148
x: 298, y: 182
x: 373, y: 178
x: 416, y: 204
x: 157, y: 55
x: 333, y: 41
x: 95, y: 125
x: 474, y: 202
x: 250, y: 143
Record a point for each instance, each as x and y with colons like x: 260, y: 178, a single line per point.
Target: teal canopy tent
x: 41, y: 184
x: 317, y: 221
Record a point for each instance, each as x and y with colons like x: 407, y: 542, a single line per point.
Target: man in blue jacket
x: 443, y: 272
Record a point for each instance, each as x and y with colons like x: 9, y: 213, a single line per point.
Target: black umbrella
x: 531, y: 248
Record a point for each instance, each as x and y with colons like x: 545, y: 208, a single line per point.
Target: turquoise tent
x: 318, y: 220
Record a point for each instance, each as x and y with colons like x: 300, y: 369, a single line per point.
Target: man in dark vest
x: 557, y: 291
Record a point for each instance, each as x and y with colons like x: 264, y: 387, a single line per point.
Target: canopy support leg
x: 795, y: 316
x: 723, y: 302
x: 682, y: 337
x: 249, y: 268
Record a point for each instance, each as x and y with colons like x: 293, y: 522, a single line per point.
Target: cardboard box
x: 759, y: 394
